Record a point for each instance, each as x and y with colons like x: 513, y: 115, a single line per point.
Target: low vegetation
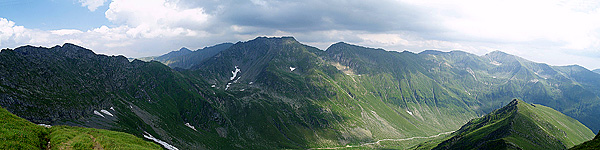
x: 18, y: 133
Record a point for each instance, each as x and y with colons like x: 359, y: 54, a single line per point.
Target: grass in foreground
x: 18, y: 133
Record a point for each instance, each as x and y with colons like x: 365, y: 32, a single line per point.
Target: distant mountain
x: 185, y: 58
x: 519, y: 125
x: 588, y: 145
x: 596, y: 71
x: 277, y: 93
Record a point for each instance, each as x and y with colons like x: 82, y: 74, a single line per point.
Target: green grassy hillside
x: 519, y: 125
x: 588, y: 145
x: 18, y: 133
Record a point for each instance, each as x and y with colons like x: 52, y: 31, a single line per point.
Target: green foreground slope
x: 18, y: 133
x: 588, y: 145
x: 519, y: 125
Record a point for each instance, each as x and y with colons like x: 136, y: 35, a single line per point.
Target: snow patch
x: 106, y: 112
x: 113, y: 109
x: 99, y: 114
x: 235, y: 72
x: 251, y: 83
x: 496, y: 63
x: 163, y: 143
x: 292, y: 68
x: 213, y: 85
x: 227, y: 87
x: 534, y: 80
x: 242, y: 89
x: 190, y: 126
x: 45, y: 125
x: 409, y: 112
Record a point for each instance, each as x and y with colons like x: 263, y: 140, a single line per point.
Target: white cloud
x: 65, y: 31
x: 519, y: 21
x: 92, y: 5
x: 153, y: 27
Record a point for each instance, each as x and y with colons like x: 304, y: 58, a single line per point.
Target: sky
x: 557, y: 32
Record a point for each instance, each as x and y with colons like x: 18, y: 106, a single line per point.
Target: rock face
x: 519, y: 125
x: 67, y: 84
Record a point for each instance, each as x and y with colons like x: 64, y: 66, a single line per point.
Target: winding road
x: 378, y: 141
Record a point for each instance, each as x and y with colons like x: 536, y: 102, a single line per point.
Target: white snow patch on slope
x: 213, y: 85
x: 190, y: 126
x: 113, y: 109
x: 496, y: 63
x: 99, y: 114
x: 235, y: 72
x: 409, y: 112
x: 45, y: 125
x: 106, y: 112
x: 251, y: 83
x: 163, y: 143
x: 292, y: 68
x: 227, y: 86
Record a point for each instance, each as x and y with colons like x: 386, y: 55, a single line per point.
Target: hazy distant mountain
x: 519, y: 125
x: 277, y: 93
x: 185, y: 58
x: 596, y: 71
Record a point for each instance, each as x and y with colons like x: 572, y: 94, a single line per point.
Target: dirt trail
x: 378, y: 141
x: 97, y: 145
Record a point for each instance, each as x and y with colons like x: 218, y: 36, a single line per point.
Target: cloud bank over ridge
x: 556, y: 32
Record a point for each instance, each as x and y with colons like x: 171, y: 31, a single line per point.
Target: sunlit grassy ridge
x: 588, y: 145
x: 519, y: 126
x: 18, y: 133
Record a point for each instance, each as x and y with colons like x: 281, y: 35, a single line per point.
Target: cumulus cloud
x: 153, y: 27
x: 92, y: 5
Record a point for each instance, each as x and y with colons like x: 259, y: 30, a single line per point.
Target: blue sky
x: 557, y: 32
x: 52, y: 14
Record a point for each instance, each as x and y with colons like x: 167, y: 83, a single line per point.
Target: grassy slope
x: 589, y: 145
x: 18, y: 133
x: 520, y: 125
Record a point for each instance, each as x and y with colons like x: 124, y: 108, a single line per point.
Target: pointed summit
x: 184, y: 49
x: 519, y: 125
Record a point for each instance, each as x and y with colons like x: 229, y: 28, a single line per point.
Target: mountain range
x: 277, y: 93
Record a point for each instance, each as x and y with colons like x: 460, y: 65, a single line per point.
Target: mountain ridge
x: 286, y: 94
x: 519, y: 125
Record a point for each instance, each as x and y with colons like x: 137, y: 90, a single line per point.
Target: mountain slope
x: 185, y: 58
x: 596, y: 71
x: 519, y: 125
x: 591, y: 144
x: 277, y: 93
x: 70, y: 85
x: 497, y: 76
x: 18, y: 133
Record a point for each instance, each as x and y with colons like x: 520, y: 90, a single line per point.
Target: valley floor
x: 378, y: 142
